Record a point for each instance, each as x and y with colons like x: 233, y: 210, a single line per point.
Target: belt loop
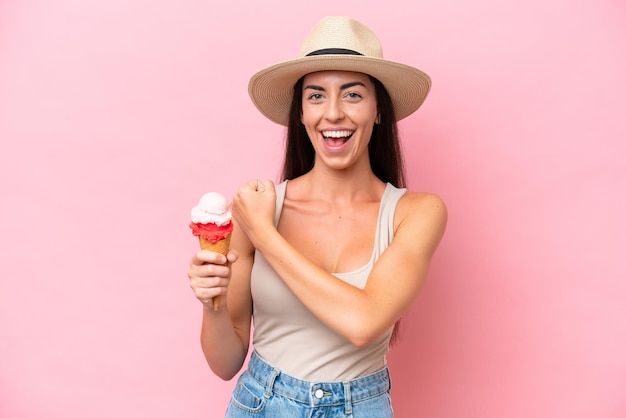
x: 270, y: 383
x: 348, y: 397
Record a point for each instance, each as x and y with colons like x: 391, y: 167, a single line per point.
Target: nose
x: 334, y: 111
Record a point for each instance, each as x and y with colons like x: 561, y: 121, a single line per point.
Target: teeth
x: 336, y: 134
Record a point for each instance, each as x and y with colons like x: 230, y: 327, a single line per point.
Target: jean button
x: 319, y: 394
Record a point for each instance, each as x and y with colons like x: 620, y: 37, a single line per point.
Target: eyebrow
x: 343, y: 86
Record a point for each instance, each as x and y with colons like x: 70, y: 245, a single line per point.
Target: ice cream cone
x: 222, y: 246
x: 211, y: 223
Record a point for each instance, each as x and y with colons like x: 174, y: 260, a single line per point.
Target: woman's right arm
x: 225, y: 334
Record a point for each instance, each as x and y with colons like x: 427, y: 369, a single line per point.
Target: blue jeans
x: 263, y: 391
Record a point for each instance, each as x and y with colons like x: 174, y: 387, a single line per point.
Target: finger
x: 209, y: 270
x: 195, y: 261
x: 206, y: 295
x: 206, y: 289
x: 207, y: 283
x: 206, y: 256
x: 232, y: 256
x: 252, y: 185
x: 268, y: 185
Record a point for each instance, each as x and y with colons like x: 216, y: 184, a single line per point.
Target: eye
x: 354, y: 96
x: 314, y: 96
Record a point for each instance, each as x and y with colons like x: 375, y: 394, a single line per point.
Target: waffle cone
x: 222, y: 246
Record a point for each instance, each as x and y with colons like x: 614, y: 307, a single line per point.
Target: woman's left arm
x: 393, y: 284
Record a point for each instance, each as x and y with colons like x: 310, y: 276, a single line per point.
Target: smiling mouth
x: 335, y: 138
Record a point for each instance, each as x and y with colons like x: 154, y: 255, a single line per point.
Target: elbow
x: 361, y: 337
x: 225, y: 370
x: 360, y: 342
x: 225, y: 375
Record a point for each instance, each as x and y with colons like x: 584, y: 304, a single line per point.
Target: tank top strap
x: 281, y: 190
x: 388, y: 203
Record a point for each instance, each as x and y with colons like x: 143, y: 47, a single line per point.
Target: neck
x: 327, y: 184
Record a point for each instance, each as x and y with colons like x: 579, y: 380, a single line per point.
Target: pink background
x: 108, y: 112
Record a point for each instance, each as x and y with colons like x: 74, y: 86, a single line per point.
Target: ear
x: 377, y: 120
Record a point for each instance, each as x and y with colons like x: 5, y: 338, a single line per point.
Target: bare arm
x: 392, y: 286
x: 225, y: 333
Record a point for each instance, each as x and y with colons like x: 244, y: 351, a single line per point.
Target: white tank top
x: 289, y: 337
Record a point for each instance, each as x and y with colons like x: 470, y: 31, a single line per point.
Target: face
x: 339, y: 111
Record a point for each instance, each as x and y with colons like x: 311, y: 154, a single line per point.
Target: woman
x: 329, y: 260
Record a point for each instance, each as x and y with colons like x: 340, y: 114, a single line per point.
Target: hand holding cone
x: 222, y: 246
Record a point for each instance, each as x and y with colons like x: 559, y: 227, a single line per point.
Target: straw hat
x: 338, y: 43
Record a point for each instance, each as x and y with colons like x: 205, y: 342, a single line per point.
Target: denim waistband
x: 318, y: 393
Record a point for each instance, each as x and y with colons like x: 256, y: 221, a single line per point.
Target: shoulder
x: 423, y: 214
x: 421, y: 202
